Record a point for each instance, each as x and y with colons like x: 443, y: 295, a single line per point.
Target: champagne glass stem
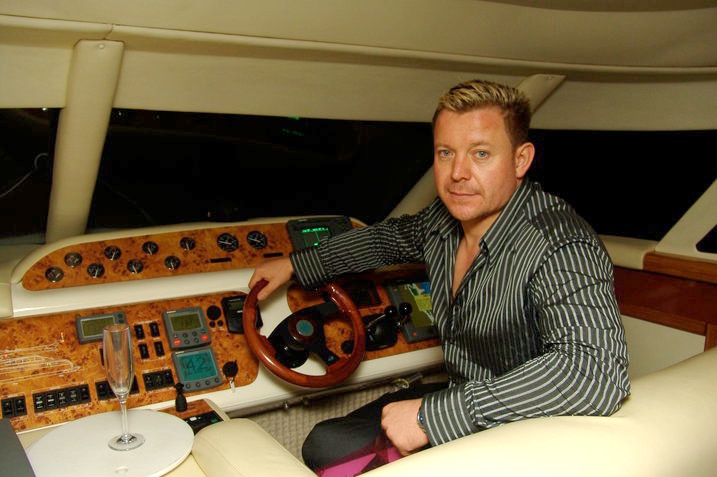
x: 125, y: 427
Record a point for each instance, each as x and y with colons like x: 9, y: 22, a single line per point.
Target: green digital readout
x: 307, y: 232
x: 94, y: 326
x: 89, y: 328
x: 197, y: 369
x: 182, y: 321
x: 186, y: 327
x: 312, y: 235
x: 195, y: 366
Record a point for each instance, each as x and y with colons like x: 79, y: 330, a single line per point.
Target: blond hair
x: 477, y: 94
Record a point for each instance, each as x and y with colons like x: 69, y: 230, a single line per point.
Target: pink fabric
x: 379, y: 453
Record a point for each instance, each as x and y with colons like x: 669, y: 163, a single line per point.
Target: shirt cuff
x: 446, y: 416
x: 308, y: 269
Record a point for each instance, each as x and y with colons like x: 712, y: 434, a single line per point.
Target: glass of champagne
x: 119, y: 367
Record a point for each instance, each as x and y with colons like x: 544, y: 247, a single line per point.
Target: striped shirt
x: 534, y: 328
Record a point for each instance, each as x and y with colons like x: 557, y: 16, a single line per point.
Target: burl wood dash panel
x: 42, y: 356
x: 48, y: 377
x: 41, y: 359
x: 159, y: 255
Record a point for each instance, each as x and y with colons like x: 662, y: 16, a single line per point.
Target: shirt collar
x: 509, y: 220
x: 501, y: 230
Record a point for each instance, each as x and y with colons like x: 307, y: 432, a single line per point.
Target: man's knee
x: 334, y: 439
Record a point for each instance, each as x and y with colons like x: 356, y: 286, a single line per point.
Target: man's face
x: 476, y: 169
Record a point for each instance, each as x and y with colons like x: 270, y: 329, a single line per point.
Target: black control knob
x: 404, y: 313
x: 405, y: 309
x: 180, y: 402
x: 381, y: 329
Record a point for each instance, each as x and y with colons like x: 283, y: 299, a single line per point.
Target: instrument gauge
x: 73, y: 259
x: 187, y: 243
x: 54, y: 274
x: 150, y: 248
x: 256, y: 239
x: 95, y: 270
x: 227, y: 242
x: 113, y: 252
x: 172, y: 262
x: 135, y: 265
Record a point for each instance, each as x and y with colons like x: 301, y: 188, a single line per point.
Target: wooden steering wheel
x: 307, y: 332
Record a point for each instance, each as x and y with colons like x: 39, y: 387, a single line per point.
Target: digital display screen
x: 305, y: 233
x: 186, y: 327
x: 93, y: 326
x: 185, y: 321
x: 196, y: 366
x: 89, y: 328
x: 312, y: 235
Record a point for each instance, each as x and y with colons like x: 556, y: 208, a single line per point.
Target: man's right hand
x: 276, y: 271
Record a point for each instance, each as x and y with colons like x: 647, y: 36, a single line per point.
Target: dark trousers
x: 334, y: 439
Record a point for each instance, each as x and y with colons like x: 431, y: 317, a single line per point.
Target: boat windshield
x: 161, y: 167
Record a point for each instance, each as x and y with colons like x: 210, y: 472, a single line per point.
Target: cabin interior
x: 153, y: 153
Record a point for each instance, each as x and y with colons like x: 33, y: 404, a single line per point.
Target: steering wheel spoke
x: 326, y: 355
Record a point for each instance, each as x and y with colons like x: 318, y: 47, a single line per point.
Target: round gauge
x: 73, y: 259
x: 95, y: 270
x: 187, y: 243
x: 135, y: 265
x: 256, y: 239
x: 150, y: 248
x: 54, y: 274
x: 227, y: 242
x: 113, y: 252
x: 172, y: 262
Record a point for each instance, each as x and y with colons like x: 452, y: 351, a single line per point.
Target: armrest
x: 667, y: 427
x: 241, y: 448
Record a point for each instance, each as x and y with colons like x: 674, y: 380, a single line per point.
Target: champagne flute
x: 119, y: 367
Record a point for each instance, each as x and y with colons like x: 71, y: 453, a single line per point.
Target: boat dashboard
x: 182, y: 290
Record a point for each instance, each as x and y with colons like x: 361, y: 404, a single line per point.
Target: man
x: 522, y: 288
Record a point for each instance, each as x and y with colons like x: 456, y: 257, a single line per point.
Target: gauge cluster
x: 165, y: 254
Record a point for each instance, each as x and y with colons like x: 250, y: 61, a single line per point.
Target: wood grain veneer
x: 42, y: 354
x: 680, y: 303
x: 206, y: 256
x: 681, y: 267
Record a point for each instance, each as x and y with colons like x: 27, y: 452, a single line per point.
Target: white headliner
x: 629, y: 65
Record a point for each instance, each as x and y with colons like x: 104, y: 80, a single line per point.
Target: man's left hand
x: 398, y: 420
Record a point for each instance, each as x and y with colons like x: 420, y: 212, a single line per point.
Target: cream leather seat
x: 667, y: 427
